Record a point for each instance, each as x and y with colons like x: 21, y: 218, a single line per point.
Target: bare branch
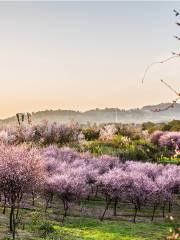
x: 154, y: 63
x: 176, y: 12
x: 172, y: 89
x: 178, y: 38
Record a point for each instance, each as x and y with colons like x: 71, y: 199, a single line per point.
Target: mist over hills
x: 106, y: 115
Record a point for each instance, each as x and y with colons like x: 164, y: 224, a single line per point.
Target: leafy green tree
x: 172, y: 126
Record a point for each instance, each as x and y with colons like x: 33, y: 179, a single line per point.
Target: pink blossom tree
x: 115, y: 185
x: 21, y: 172
x: 69, y: 187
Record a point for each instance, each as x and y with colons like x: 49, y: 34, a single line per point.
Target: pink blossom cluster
x: 22, y: 172
x: 108, y: 132
x: 166, y: 139
x: 73, y: 176
x: 44, y: 133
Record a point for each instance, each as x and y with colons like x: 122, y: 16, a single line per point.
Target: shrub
x: 91, y: 133
x: 46, y: 228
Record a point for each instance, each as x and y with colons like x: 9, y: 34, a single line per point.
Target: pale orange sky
x: 82, y: 55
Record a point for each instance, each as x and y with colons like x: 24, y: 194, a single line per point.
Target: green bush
x: 131, y: 132
x: 47, y: 228
x: 150, y: 127
x: 172, y: 126
x: 91, y: 133
x: 133, y: 150
x: 121, y: 141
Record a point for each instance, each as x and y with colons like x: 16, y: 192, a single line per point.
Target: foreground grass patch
x: 38, y: 225
x: 89, y: 229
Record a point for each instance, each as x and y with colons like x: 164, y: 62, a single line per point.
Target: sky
x: 84, y: 55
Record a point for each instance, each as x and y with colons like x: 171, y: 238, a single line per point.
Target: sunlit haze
x: 84, y: 55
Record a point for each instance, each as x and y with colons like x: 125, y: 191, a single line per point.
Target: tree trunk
x: 66, y: 207
x: 170, y: 205
x: 48, y: 200
x: 154, y: 210
x: 47, y: 204
x: 135, y: 214
x: 33, y: 199
x: 14, y: 225
x: 106, y: 208
x: 4, y: 209
x: 96, y: 192
x: 163, y: 210
x: 12, y: 222
x: 17, y: 212
x: 18, y: 204
x: 115, y: 207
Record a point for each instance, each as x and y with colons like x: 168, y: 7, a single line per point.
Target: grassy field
x: 90, y: 229
x: 35, y: 224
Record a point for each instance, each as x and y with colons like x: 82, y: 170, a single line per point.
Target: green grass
x: 37, y: 225
x: 82, y: 228
x: 89, y: 229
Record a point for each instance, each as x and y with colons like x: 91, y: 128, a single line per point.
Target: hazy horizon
x: 90, y: 109
x: 85, y: 55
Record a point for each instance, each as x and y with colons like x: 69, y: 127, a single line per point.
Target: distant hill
x: 106, y: 115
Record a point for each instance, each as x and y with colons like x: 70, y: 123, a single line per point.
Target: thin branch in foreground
x: 176, y: 12
x: 171, y: 88
x: 158, y: 62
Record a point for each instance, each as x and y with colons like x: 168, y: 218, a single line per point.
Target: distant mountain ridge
x: 136, y: 115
